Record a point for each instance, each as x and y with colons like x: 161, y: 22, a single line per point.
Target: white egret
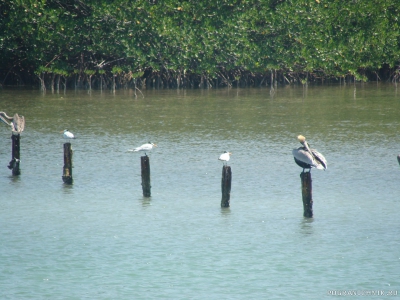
x: 224, y: 157
x: 308, y: 158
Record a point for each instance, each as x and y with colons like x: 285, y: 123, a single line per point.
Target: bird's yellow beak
x: 155, y: 145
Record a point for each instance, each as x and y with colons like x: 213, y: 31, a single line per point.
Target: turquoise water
x: 101, y: 239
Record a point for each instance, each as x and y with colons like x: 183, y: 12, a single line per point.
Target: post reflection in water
x: 306, y: 226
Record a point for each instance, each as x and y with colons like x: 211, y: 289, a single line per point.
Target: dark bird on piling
x: 308, y: 158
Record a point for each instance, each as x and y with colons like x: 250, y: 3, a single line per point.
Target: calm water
x: 101, y: 239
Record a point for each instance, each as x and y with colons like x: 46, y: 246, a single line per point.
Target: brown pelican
x: 17, y: 123
x: 308, y: 158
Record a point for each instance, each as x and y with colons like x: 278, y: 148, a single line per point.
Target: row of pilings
x: 226, y: 180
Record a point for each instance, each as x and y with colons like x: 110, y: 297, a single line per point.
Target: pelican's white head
x: 301, y: 139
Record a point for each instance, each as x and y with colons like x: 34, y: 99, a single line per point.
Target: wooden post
x: 145, y: 163
x: 226, y: 186
x: 15, y: 155
x: 306, y: 190
x: 67, y: 170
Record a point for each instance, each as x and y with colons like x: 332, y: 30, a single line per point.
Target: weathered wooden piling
x: 15, y: 155
x: 226, y: 182
x: 145, y: 164
x: 67, y: 169
x: 306, y: 190
x: 17, y: 125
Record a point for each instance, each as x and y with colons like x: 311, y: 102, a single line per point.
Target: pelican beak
x: 307, y: 147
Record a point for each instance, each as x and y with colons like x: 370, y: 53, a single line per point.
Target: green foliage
x: 116, y: 70
x: 90, y: 72
x: 209, y: 38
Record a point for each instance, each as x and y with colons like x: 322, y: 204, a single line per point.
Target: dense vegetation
x: 192, y: 43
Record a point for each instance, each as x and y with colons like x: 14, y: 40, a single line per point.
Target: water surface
x: 101, y: 239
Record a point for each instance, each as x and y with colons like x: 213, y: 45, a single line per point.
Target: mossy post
x: 67, y: 170
x: 15, y: 155
x: 306, y: 190
x: 145, y: 164
x: 226, y: 182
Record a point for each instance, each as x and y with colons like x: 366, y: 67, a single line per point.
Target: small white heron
x: 308, y: 158
x: 68, y: 135
x: 224, y: 157
x: 145, y: 147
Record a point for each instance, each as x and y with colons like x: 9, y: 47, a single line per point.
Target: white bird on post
x: 224, y: 157
x: 68, y: 135
x: 145, y: 147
